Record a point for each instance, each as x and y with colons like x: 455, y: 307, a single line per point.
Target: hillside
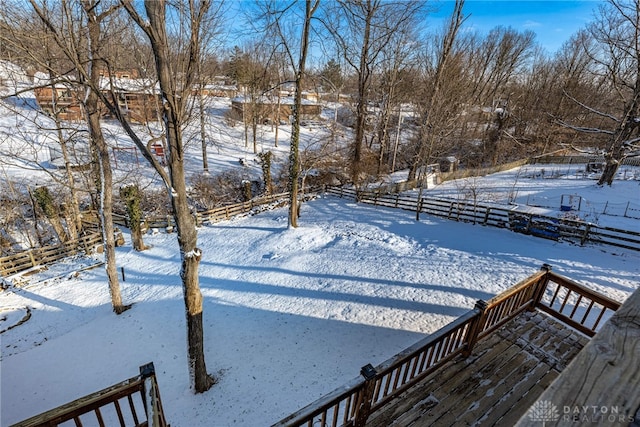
x: 290, y: 314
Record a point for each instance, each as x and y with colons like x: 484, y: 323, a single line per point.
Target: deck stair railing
x: 133, y: 402
x: 547, y: 291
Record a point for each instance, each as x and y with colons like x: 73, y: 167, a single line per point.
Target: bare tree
x: 361, y: 30
x: 433, y: 105
x: 176, y: 82
x: 393, y: 86
x: 176, y: 70
x: 275, y: 14
x: 94, y: 20
x: 617, y: 34
x: 294, y: 155
x: 78, y: 45
x: 494, y: 64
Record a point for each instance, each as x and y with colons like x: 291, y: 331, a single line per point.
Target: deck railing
x: 133, y: 402
x: 556, y: 295
x: 575, y: 305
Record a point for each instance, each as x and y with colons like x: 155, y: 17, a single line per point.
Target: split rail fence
x: 556, y: 295
x: 133, y: 402
x: 23, y: 261
x: 212, y: 215
x: 578, y: 232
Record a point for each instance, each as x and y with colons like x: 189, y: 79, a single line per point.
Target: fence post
x: 474, y: 329
x: 365, y: 397
x: 486, y: 215
x: 585, y: 235
x: 419, y: 208
x: 541, y: 286
x: 31, y: 257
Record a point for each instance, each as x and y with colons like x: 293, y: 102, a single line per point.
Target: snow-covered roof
x: 130, y: 85
x: 285, y: 100
x: 12, y: 74
x: 216, y: 86
x: 42, y: 79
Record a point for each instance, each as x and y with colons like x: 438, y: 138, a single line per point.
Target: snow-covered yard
x: 290, y: 314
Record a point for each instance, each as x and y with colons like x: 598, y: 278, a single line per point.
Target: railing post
x: 475, y: 328
x: 541, y: 286
x: 366, y: 395
x: 150, y: 395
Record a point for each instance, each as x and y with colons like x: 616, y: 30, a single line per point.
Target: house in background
x: 219, y: 87
x: 60, y: 98
x: 270, y: 109
x: 138, y: 98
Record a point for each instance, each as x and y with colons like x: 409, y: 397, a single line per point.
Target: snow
x: 289, y: 314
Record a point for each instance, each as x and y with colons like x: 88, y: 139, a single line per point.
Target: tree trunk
x: 187, y: 235
x: 616, y: 150
x: 130, y: 194
x: 75, y: 209
x: 294, y: 155
x: 191, y: 255
x: 92, y: 112
x: 361, y: 106
x: 203, y: 131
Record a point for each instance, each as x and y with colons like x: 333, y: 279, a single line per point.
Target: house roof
x: 129, y: 85
x: 12, y: 72
x: 266, y: 100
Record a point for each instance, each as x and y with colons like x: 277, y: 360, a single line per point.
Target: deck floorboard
x: 506, y: 372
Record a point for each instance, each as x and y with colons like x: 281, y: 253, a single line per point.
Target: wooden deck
x: 496, y: 384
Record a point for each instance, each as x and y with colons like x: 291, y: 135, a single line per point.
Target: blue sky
x: 553, y: 21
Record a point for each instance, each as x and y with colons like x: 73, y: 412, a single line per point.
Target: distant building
x: 139, y: 99
x: 219, y: 87
x: 271, y: 109
x: 62, y: 98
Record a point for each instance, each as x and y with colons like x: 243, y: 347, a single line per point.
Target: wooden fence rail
x: 556, y: 295
x: 133, y: 402
x: 42, y: 256
x: 48, y: 254
x: 578, y: 232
